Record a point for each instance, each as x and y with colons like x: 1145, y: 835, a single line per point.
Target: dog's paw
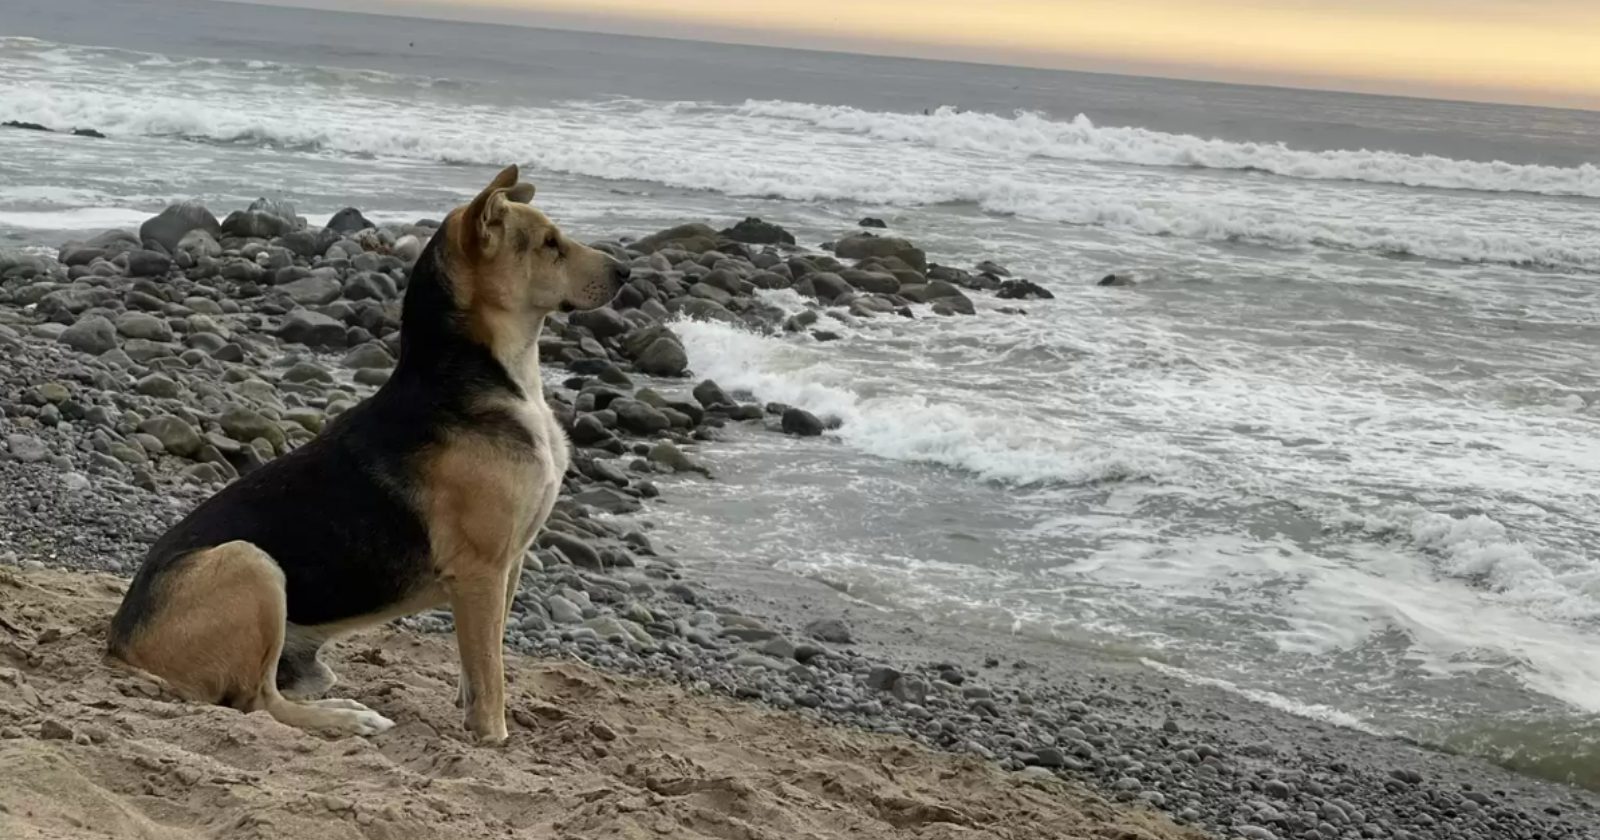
x: 490, y: 733
x: 339, y: 704
x: 368, y: 722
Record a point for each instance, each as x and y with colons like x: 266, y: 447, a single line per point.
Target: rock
x: 882, y: 678
x: 695, y: 238
x: 94, y: 334
x: 608, y: 500
x: 176, y: 436
x: 169, y: 226
x: 348, y: 221
x: 588, y: 430
x: 1022, y: 290
x: 254, y: 224
x: 798, y: 421
x: 876, y: 282
x: 25, y: 126
x: 279, y: 207
x: 662, y: 355
x: 313, y: 329
x: 710, y: 395
x: 370, y: 355
x: 830, y: 630
x: 157, y: 385
x: 407, y: 248
x: 51, y: 729
x: 859, y: 246
x: 873, y: 222
x: 143, y: 263
x: 670, y: 456
x: 142, y: 325
x: 992, y: 267
x: 756, y: 232
x: 824, y: 286
x: 26, y: 448
x: 603, y: 323
x: 640, y: 418
x: 314, y: 290
x: 199, y: 243
x: 1117, y: 280
x: 245, y: 425
x: 957, y: 305
x: 563, y: 611
x: 371, y: 285
x: 307, y: 372
x: 88, y: 132
x: 580, y: 553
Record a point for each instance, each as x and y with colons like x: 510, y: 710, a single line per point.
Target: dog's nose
x: 623, y: 271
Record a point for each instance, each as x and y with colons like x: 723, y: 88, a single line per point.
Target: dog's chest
x: 543, y: 467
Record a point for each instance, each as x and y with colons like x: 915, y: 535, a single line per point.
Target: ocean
x: 1338, y: 450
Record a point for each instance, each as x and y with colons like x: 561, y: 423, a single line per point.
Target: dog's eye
x: 552, y: 242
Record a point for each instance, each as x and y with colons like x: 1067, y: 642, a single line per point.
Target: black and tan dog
x: 428, y: 493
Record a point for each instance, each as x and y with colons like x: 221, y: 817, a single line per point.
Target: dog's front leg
x: 477, y: 597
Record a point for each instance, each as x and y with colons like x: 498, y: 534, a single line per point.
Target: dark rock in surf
x: 798, y: 421
x: 1117, y: 280
x: 859, y: 246
x: 25, y: 126
x: 1022, y: 290
x: 873, y: 222
x: 313, y: 329
x: 87, y: 132
x: 756, y: 232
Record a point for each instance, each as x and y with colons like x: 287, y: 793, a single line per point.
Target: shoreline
x: 290, y: 324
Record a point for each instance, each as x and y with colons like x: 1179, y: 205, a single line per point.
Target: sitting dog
x: 427, y: 493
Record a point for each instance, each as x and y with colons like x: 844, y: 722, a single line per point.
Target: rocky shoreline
x: 144, y: 369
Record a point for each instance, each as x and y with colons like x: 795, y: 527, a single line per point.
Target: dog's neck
x: 439, y: 343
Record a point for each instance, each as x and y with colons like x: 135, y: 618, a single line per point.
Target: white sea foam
x: 81, y: 218
x: 1029, y: 134
x: 1312, y: 711
x: 908, y: 427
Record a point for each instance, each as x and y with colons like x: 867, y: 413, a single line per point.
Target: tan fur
x: 233, y: 592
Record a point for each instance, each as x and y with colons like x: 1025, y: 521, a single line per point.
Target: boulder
x: 313, y: 329
x: 1022, y: 290
x: 143, y: 263
x: 348, y: 221
x: 798, y: 421
x: 176, y: 436
x: 873, y: 222
x: 168, y: 227
x: 314, y: 290
x: 254, y: 224
x: 756, y: 232
x: 142, y: 325
x: 694, y: 237
x: 94, y: 334
x: 603, y: 323
x: 1117, y: 280
x: 858, y: 246
x: 657, y: 351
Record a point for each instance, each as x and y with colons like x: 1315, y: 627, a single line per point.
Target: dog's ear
x: 482, y: 219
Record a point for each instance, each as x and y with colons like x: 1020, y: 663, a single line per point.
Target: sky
x: 1530, y: 51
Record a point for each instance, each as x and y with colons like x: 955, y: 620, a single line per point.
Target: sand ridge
x: 92, y: 752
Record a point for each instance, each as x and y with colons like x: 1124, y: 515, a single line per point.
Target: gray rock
x: 157, y: 385
x: 199, y: 243
x: 245, y: 425
x: 27, y: 449
x: 369, y: 355
x: 882, y: 678
x: 145, y: 326
x: 256, y: 224
x: 798, y: 421
x: 756, y: 232
x: 142, y: 263
x: 314, y: 290
x: 575, y: 550
x: 608, y: 500
x: 709, y: 394
x: 348, y: 221
x: 604, y: 322
x: 862, y: 245
x: 666, y: 454
x: 639, y: 418
x: 176, y: 436
x: 830, y: 630
x: 169, y: 226
x: 94, y: 334
x: 313, y: 329
x: 563, y: 611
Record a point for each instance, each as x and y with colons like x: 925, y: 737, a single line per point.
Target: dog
x: 427, y: 493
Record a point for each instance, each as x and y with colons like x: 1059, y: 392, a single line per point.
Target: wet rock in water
x: 25, y: 126
x: 756, y: 232
x: 859, y: 246
x: 348, y: 221
x: 825, y: 286
x: 88, y: 132
x: 710, y: 395
x: 872, y: 222
x: 1022, y: 290
x: 992, y: 267
x: 657, y: 351
x: 830, y: 630
x: 313, y: 329
x: 798, y: 421
x: 1117, y: 280
x: 93, y: 334
x: 168, y: 227
x: 176, y: 436
x: 608, y: 500
x: 956, y: 305
x: 640, y: 418
x: 667, y: 455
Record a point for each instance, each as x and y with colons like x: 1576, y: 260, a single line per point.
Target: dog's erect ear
x: 483, y: 215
